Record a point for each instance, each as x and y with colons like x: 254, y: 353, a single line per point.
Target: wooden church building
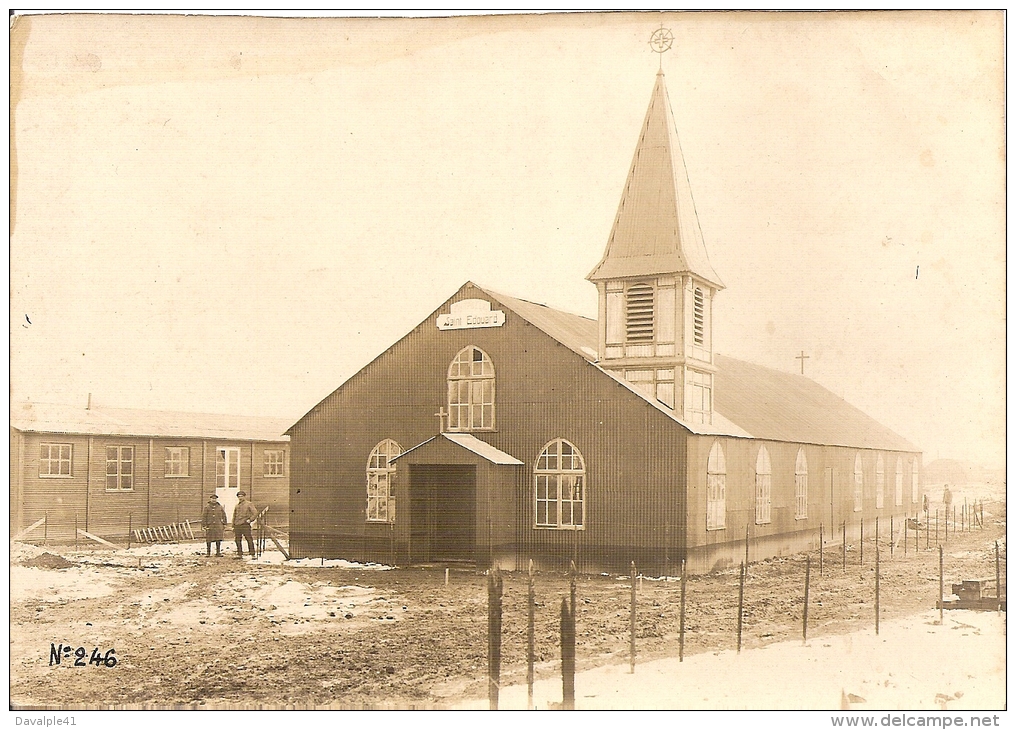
x: 500, y: 430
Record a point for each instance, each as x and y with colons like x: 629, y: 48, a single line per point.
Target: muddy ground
x: 190, y: 630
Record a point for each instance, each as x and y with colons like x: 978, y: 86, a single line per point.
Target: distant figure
x: 926, y: 505
x: 946, y: 498
x: 213, y: 519
x: 243, y: 514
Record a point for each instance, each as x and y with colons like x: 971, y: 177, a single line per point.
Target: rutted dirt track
x: 219, y: 632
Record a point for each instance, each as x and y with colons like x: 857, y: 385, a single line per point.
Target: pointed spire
x: 656, y: 230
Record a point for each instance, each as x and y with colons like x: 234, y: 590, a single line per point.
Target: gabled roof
x: 750, y: 401
x: 574, y: 331
x: 56, y: 418
x: 470, y: 443
x: 656, y: 230
x: 790, y: 407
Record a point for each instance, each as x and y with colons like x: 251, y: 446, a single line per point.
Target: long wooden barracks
x: 106, y: 470
x: 500, y: 430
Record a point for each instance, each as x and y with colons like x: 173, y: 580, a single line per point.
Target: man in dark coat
x: 243, y: 514
x: 213, y: 519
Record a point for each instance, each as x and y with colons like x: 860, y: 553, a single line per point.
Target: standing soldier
x: 243, y: 514
x: 212, y: 521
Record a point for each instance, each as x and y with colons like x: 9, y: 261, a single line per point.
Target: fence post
x: 892, y: 536
x: 684, y: 583
x: 861, y: 542
x: 906, y: 532
x: 494, y: 592
x: 531, y: 654
x: 941, y: 586
x: 998, y: 580
x: 631, y: 627
x: 877, y: 571
x: 574, y: 571
x: 876, y: 534
x: 746, y: 544
x: 45, y: 528
x: 75, y: 531
x: 821, y: 549
x: 740, y: 608
x: 130, y: 522
x: 844, y: 545
x: 936, y: 527
x: 567, y: 655
x: 807, y: 587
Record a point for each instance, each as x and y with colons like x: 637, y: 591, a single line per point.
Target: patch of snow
x: 295, y: 606
x: 24, y: 551
x: 317, y: 563
x: 51, y: 586
x: 913, y: 664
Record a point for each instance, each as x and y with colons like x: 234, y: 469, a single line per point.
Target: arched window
x: 380, y: 482
x: 716, y: 489
x: 879, y: 482
x: 801, y: 486
x: 471, y: 391
x: 763, y: 487
x: 858, y: 483
x: 899, y: 482
x: 915, y: 486
x: 560, y: 488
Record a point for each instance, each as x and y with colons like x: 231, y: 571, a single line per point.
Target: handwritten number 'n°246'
x: 58, y: 652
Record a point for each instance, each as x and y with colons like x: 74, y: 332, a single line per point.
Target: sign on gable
x: 469, y: 314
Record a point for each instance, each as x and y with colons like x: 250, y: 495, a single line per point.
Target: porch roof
x: 470, y: 443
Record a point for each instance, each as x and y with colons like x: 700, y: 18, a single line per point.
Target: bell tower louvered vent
x: 640, y: 321
x: 700, y: 317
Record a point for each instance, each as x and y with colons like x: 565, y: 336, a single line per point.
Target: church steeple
x: 655, y: 281
x: 656, y: 230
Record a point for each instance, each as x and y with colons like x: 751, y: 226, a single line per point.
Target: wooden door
x: 443, y: 512
x: 227, y: 478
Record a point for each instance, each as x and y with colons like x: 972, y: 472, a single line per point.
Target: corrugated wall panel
x: 786, y: 532
x: 544, y: 391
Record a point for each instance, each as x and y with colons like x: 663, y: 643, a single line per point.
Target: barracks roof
x: 750, y: 401
x: 55, y: 418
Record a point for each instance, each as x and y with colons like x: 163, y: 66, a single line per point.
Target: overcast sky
x: 236, y: 214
